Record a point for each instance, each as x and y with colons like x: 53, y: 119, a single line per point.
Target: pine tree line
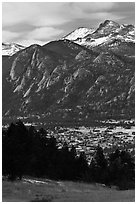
x: 31, y: 152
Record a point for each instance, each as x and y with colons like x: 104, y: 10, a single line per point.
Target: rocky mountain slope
x: 9, y: 49
x: 66, y: 80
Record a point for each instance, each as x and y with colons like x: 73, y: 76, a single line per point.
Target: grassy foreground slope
x: 54, y: 191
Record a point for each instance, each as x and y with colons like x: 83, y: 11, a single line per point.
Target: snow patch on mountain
x: 11, y: 48
x: 79, y: 33
x: 94, y: 42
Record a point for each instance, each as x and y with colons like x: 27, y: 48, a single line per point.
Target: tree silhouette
x: 82, y: 165
x: 99, y: 166
x: 100, y: 159
x: 121, y: 167
x: 15, y: 150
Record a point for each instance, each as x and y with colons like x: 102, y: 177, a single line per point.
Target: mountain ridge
x: 67, y: 81
x: 106, y: 31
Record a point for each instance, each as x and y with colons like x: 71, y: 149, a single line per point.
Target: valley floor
x: 46, y: 190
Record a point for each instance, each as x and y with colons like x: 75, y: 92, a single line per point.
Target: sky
x: 29, y: 23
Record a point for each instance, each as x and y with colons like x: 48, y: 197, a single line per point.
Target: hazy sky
x: 38, y: 22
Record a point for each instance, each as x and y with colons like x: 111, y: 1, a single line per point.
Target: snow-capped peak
x: 81, y: 32
x: 11, y: 48
x: 107, y: 27
x: 110, y: 23
x: 105, y: 33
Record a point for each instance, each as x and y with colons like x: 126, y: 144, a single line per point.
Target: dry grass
x: 65, y: 191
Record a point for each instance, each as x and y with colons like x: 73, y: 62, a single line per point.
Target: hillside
x: 44, y: 190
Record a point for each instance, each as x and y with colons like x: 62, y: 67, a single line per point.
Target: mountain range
x: 87, y: 74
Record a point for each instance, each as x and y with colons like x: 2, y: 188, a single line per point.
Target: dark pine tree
x: 15, y: 150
